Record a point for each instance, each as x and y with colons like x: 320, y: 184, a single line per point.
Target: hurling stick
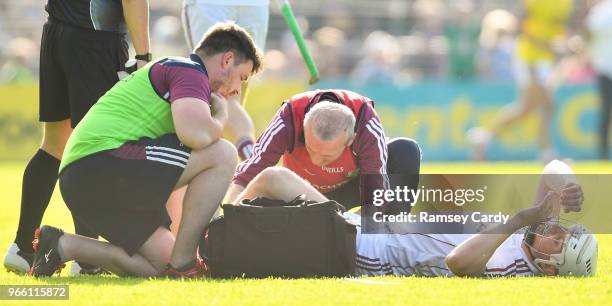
x: 299, y: 39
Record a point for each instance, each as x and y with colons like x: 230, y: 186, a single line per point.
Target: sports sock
x: 39, y: 178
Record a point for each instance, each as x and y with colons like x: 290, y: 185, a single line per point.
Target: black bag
x: 263, y: 237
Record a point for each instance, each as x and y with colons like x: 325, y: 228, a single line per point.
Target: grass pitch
x: 111, y: 290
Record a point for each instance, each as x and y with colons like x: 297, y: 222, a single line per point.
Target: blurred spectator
x: 431, y: 46
x: 599, y: 23
x: 430, y: 16
x: 3, y: 37
x: 18, y: 68
x: 497, y: 45
x: 429, y: 28
x: 330, y: 42
x: 166, y: 36
x: 574, y: 68
x: 380, y: 64
x: 296, y: 68
x: 275, y: 63
x: 462, y: 30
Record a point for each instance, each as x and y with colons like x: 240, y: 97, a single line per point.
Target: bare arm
x: 136, y: 15
x: 267, y: 151
x: 194, y: 123
x: 470, y: 257
x: 559, y: 178
x: 557, y: 188
x: 241, y: 124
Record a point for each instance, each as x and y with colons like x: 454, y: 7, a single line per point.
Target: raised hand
x: 540, y: 212
x: 571, y: 197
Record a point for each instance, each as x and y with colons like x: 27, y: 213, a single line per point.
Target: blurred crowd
x: 389, y: 41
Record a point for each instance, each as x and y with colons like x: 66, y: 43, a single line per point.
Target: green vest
x: 130, y: 110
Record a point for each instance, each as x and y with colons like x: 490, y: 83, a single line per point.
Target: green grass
x: 110, y: 290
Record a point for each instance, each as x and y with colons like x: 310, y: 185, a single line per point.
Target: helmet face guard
x: 575, y: 248
x: 545, y: 231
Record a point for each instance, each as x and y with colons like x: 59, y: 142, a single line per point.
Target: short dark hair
x: 228, y: 36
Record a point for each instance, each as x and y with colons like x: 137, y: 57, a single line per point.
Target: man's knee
x: 225, y: 154
x: 272, y: 176
x: 404, y: 155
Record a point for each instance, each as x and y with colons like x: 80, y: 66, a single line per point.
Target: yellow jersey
x: 545, y: 21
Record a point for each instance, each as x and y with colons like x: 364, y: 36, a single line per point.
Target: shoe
x: 479, y: 138
x: 47, y: 260
x: 17, y: 261
x: 197, y: 269
x: 85, y: 269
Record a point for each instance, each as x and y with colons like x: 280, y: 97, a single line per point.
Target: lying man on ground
x: 532, y: 242
x: 547, y: 247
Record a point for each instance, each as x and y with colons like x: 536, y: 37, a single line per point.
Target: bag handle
x: 300, y: 200
x: 297, y: 201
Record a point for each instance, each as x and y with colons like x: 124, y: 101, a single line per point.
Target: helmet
x: 578, y: 254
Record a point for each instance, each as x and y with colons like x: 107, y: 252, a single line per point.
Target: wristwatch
x: 147, y: 57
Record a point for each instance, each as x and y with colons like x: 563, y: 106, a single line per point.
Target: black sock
x: 39, y: 180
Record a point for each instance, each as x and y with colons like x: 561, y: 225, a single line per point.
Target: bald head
x: 327, y: 120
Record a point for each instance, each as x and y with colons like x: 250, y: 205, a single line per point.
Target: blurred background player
x: 253, y: 15
x: 543, y: 25
x: 200, y: 15
x: 599, y: 24
x: 83, y: 46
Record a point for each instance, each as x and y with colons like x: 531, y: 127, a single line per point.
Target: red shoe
x: 198, y: 269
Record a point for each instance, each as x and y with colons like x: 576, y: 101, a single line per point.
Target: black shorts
x: 348, y: 194
x: 121, y: 194
x: 403, y: 168
x: 77, y: 66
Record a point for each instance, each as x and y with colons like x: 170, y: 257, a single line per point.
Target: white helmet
x: 578, y: 256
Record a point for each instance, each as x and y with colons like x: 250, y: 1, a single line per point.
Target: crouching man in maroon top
x: 333, y: 146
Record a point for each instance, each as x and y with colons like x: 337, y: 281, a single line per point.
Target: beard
x: 219, y: 84
x: 215, y: 86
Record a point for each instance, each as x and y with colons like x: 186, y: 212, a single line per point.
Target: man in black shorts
x: 83, y: 47
x: 155, y: 131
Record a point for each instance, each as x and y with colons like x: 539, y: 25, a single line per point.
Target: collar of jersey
x: 194, y: 57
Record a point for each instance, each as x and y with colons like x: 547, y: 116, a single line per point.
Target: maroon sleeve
x: 272, y: 143
x: 370, y: 147
x: 173, y: 82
